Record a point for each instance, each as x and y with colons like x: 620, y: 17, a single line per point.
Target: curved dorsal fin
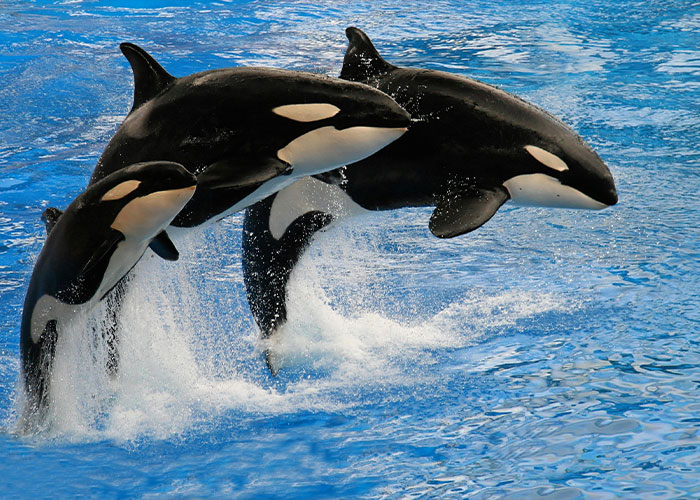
x: 149, y: 76
x: 50, y: 218
x: 362, y: 61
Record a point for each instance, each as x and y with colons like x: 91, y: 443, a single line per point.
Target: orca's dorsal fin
x: 50, y: 218
x: 362, y: 61
x: 149, y: 77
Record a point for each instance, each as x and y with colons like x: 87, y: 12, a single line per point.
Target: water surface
x: 550, y: 354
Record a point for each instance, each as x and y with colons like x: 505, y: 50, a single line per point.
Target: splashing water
x: 186, y: 357
x: 550, y: 354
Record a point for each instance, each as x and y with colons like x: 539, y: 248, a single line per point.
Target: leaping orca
x: 472, y: 148
x: 90, y: 247
x: 246, y: 132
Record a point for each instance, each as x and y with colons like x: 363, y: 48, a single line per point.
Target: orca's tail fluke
x: 362, y: 61
x: 269, y: 256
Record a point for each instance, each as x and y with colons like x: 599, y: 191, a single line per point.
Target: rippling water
x: 550, y: 354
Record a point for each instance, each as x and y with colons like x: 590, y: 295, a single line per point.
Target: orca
x: 472, y: 147
x: 90, y: 247
x: 246, y: 132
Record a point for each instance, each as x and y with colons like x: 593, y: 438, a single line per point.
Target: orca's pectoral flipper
x: 102, y: 253
x: 50, y: 218
x: 163, y: 247
x: 362, y: 61
x: 149, y: 77
x: 224, y: 183
x: 465, y: 211
x: 241, y: 172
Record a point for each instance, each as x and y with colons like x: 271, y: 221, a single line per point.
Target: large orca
x: 472, y: 148
x: 247, y: 132
x: 90, y: 247
x: 244, y: 132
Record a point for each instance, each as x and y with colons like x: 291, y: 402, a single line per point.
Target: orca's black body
x: 246, y: 132
x: 89, y: 248
x: 472, y: 148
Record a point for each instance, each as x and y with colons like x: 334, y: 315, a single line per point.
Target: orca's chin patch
x: 542, y: 190
x: 326, y: 148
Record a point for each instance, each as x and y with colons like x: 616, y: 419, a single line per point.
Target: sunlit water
x: 550, y: 354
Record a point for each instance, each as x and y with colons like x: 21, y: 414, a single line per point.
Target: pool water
x: 550, y: 354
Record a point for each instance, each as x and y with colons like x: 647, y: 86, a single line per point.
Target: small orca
x: 247, y: 132
x: 471, y: 148
x: 90, y: 247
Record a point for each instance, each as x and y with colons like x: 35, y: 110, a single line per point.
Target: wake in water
x: 189, y: 351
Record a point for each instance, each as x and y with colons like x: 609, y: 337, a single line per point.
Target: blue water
x: 551, y: 354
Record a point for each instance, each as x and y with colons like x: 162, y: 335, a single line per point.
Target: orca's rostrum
x: 472, y: 147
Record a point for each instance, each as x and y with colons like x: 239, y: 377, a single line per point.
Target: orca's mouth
x: 599, y: 189
x: 392, y: 118
x: 397, y: 122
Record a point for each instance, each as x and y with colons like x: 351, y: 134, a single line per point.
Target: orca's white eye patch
x: 307, y: 112
x: 146, y: 216
x: 547, y: 159
x: 121, y: 190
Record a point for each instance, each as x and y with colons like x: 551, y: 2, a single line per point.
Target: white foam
x: 369, y: 346
x: 189, y: 352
